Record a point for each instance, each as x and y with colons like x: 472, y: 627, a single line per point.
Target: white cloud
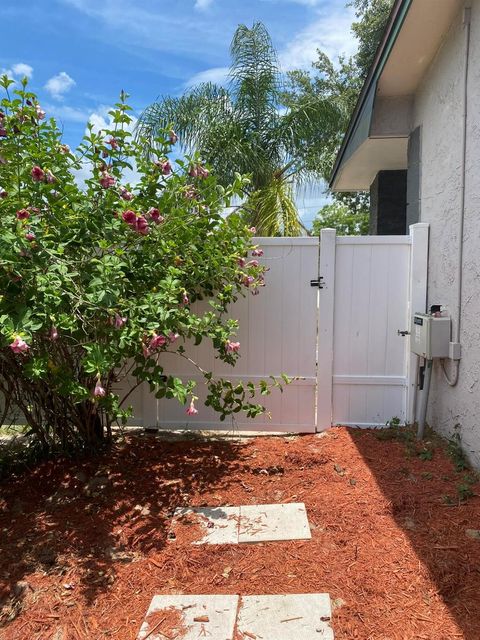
x: 60, y: 84
x: 329, y: 32
x: 18, y: 71
x: 217, y: 75
x: 21, y: 69
x: 66, y: 113
x: 202, y: 4
x: 99, y: 119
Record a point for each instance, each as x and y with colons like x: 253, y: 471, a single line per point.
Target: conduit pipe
x: 424, y: 399
x: 467, y: 12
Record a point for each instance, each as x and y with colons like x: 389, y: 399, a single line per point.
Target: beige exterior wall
x: 438, y: 109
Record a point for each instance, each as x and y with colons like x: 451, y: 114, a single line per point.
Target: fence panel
x: 277, y: 333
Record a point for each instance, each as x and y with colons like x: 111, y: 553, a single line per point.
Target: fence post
x: 417, y: 302
x: 325, y: 329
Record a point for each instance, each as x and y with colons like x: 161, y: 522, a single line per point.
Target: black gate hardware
x: 318, y: 282
x: 403, y: 333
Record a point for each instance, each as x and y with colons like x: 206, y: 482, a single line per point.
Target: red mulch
x: 169, y: 622
x: 91, y: 553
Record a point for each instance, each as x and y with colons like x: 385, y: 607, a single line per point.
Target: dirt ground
x: 84, y: 547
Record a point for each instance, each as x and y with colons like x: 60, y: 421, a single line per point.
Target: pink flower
x: 253, y: 230
x: 37, y: 174
x: 53, y: 333
x: 64, y: 148
x: 3, y: 132
x: 191, y: 411
x: 172, y: 337
x: 146, y: 351
x: 191, y: 193
x: 19, y: 346
x: 50, y: 178
x: 99, y: 391
x: 197, y: 171
x: 164, y: 166
x: 241, y: 262
x: 113, y: 142
x: 232, y: 347
x: 185, y: 299
x: 257, y: 252
x: 125, y: 194
x: 157, y: 341
x: 30, y: 236
x: 119, y: 322
x: 155, y: 215
x: 248, y: 280
x: 40, y: 112
x: 23, y: 214
x: 172, y: 136
x: 141, y: 225
x: 252, y: 263
x: 3, y: 193
x: 130, y: 217
x: 107, y: 180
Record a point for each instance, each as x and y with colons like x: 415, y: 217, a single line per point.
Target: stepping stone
x: 269, y: 522
x: 190, y: 618
x: 289, y: 617
x: 216, y: 525
x: 245, y: 524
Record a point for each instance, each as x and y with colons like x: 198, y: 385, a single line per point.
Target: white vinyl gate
x: 369, y: 287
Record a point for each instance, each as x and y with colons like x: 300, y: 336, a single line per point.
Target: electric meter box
x: 430, y: 336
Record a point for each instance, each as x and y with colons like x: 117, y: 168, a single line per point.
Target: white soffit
x: 373, y: 155
x: 425, y: 27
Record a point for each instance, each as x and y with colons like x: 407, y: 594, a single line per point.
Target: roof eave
x: 397, y: 16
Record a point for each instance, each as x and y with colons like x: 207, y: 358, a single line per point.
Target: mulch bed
x: 84, y: 547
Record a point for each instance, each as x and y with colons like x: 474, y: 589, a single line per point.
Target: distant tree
x: 247, y: 129
x: 339, y: 216
x: 372, y: 18
x: 340, y: 82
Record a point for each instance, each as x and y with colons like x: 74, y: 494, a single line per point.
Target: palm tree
x: 245, y: 129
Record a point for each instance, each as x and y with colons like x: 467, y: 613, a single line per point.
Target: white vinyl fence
x: 370, y: 286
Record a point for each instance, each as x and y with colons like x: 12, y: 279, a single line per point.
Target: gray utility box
x: 430, y: 336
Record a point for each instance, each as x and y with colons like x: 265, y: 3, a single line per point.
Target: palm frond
x: 255, y: 78
x: 273, y: 212
x: 191, y: 115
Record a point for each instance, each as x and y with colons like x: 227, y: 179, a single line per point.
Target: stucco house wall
x: 438, y: 109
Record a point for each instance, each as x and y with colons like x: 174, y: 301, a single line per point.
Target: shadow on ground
x: 420, y: 496
x: 97, y: 513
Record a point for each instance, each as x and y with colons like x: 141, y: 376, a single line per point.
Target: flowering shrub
x: 97, y: 281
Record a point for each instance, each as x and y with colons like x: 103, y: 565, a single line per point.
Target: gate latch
x: 318, y: 282
x: 403, y: 333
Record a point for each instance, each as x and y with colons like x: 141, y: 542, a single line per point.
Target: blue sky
x: 79, y: 54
